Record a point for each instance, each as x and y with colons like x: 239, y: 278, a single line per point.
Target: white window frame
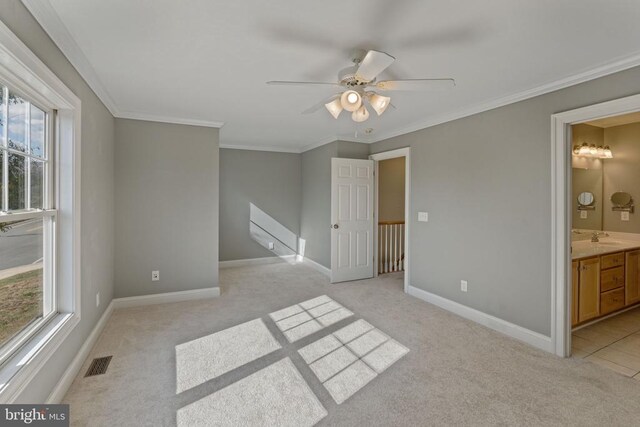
x: 48, y: 212
x: 25, y: 74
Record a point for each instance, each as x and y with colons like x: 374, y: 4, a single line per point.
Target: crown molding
x: 615, y: 66
x: 270, y: 148
x: 168, y: 119
x: 55, y: 28
x: 324, y: 141
x: 49, y: 20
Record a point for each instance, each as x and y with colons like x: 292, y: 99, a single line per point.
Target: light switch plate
x: 155, y: 275
x: 463, y: 285
x: 423, y: 216
x: 583, y: 214
x: 624, y: 216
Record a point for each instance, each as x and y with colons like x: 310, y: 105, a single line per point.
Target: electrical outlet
x: 423, y: 216
x: 624, y: 216
x: 155, y: 275
x: 271, y: 246
x: 583, y: 214
x: 98, y: 299
x: 463, y: 285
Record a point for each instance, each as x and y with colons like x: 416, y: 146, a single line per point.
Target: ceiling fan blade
x: 372, y: 64
x: 416, y: 84
x: 319, y: 105
x: 289, y: 83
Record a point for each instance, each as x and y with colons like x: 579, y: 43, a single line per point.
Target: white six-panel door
x: 351, y: 219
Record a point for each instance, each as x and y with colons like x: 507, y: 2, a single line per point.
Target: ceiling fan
x: 358, y: 86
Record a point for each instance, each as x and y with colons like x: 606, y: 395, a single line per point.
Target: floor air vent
x: 98, y: 366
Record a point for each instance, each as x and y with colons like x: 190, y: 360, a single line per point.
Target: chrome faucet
x: 595, y: 236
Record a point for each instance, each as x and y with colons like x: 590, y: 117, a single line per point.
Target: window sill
x: 18, y: 372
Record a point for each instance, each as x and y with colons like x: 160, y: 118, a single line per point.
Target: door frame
x: 561, y: 208
x: 385, y: 155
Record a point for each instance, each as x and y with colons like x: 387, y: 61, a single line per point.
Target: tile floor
x: 613, y: 343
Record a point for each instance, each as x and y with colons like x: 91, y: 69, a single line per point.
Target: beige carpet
x: 456, y: 372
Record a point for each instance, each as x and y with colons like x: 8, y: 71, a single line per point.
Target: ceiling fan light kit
x: 360, y: 115
x: 378, y: 102
x: 356, y: 79
x: 334, y: 107
x: 351, y: 100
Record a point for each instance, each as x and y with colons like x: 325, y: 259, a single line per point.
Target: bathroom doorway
x: 391, y: 206
x: 605, y: 242
x: 596, y: 249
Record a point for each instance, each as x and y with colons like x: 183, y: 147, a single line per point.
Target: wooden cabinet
x: 612, y: 260
x: 604, y: 284
x: 589, y: 289
x: 611, y: 279
x: 611, y: 301
x: 632, y: 278
x: 574, y: 293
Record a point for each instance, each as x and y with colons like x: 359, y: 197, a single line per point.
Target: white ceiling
x: 206, y: 62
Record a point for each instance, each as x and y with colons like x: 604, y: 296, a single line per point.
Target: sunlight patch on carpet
x: 275, y: 395
x: 206, y: 358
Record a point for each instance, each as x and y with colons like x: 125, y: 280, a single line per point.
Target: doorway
x: 564, y: 287
x: 391, y: 207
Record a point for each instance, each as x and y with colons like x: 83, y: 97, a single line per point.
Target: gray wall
x: 486, y: 182
x: 391, y: 177
x: 622, y: 173
x: 97, y: 196
x: 272, y: 182
x: 167, y: 199
x: 316, y: 196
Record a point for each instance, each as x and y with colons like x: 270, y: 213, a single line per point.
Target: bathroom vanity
x: 606, y: 276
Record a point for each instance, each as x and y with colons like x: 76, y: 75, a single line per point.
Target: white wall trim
x: 261, y: 148
x: 70, y: 374
x: 53, y: 25
x: 561, y: 206
x: 530, y: 337
x: 49, y: 20
x: 385, y: 155
x: 169, y: 119
x: 26, y: 73
x: 318, y: 267
x: 168, y: 297
x: 246, y: 262
x: 617, y: 65
x: 324, y: 141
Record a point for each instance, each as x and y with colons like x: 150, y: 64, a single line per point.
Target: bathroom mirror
x: 621, y: 199
x: 585, y: 198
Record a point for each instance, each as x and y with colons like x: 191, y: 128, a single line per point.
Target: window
x: 27, y: 221
x: 40, y: 214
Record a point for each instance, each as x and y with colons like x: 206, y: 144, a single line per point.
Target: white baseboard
x: 530, y: 337
x: 255, y: 261
x: 70, y: 374
x: 311, y: 263
x: 166, y: 297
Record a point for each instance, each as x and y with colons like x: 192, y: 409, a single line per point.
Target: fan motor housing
x: 347, y: 77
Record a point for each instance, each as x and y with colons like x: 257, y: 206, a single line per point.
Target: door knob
x: 336, y: 226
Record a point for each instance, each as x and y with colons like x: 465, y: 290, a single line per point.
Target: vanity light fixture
x: 586, y: 150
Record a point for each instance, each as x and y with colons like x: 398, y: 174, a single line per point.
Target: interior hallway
x: 456, y: 372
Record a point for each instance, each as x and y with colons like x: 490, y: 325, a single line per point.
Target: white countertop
x: 615, y: 242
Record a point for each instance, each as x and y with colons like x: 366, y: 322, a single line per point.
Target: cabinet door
x: 589, y: 289
x: 574, y: 292
x: 632, y: 278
